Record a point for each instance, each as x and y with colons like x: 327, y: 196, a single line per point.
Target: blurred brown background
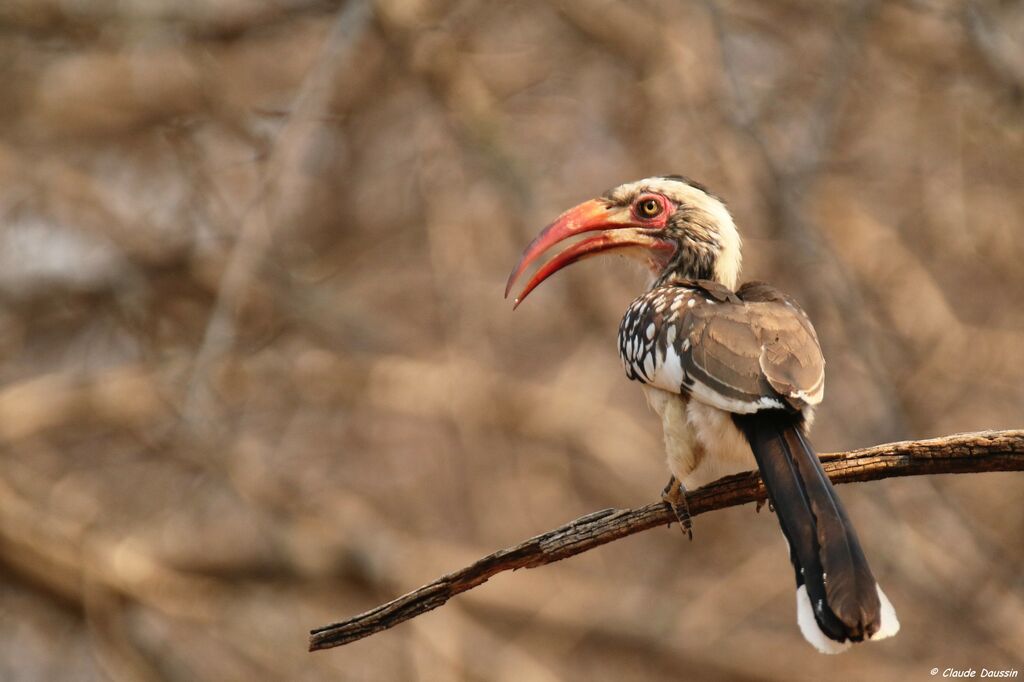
x: 258, y: 374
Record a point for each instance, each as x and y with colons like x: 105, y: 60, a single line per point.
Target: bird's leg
x: 674, y: 495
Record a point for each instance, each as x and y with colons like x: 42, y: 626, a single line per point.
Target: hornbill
x: 735, y: 374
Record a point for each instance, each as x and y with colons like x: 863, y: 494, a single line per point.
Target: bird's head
x: 674, y: 226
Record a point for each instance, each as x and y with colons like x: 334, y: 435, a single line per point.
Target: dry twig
x: 985, y: 451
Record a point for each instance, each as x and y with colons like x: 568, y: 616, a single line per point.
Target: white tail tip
x: 809, y: 626
x: 889, y: 625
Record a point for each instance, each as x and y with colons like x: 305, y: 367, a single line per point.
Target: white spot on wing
x: 649, y: 365
x: 671, y: 370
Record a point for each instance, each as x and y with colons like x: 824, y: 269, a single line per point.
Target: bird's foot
x: 674, y: 495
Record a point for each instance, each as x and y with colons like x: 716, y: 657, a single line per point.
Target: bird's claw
x: 674, y: 495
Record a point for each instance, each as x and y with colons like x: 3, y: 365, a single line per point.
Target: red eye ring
x: 648, y: 207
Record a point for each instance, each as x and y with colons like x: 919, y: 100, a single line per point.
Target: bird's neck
x: 708, y: 246
x: 701, y: 261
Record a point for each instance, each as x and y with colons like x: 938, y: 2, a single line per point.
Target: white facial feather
x: 711, y: 211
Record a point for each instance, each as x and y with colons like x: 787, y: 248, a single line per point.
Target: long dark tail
x: 838, y: 600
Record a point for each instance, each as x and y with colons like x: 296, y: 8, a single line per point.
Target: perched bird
x: 735, y: 374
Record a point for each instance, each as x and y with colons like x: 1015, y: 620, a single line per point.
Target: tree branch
x: 958, y: 454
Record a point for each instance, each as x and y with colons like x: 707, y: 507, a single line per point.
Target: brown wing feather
x: 791, y: 360
x: 742, y: 352
x: 758, y: 343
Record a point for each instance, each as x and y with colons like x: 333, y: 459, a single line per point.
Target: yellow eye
x: 648, y: 208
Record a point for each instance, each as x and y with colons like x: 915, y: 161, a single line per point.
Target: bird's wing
x: 742, y: 352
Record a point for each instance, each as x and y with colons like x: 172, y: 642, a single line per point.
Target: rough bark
x: 958, y: 454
